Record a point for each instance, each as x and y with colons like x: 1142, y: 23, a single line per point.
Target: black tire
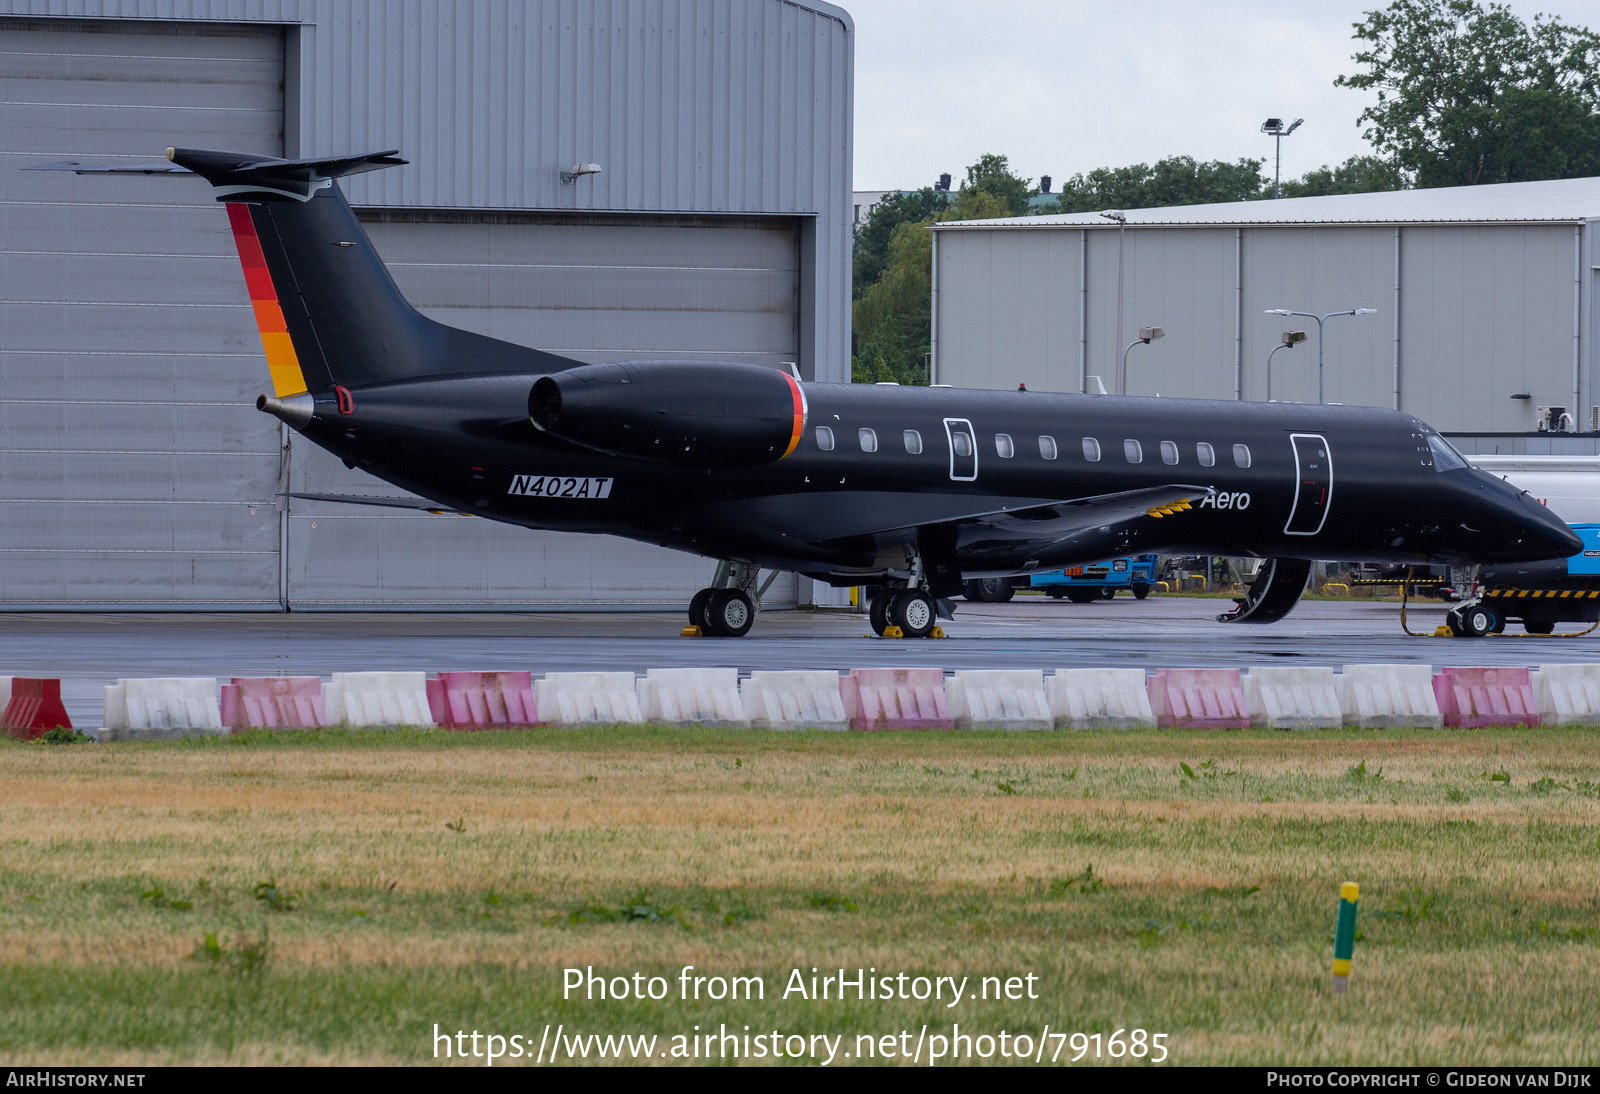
x: 731, y: 613
x: 1082, y: 594
x: 1141, y: 591
x: 697, y: 609
x: 973, y: 591
x: 1478, y: 621
x: 1107, y: 592
x: 878, y: 611
x: 914, y: 613
x: 1054, y: 592
x: 1538, y: 626
x: 993, y: 590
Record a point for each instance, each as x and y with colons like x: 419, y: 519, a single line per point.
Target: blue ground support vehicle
x: 1100, y: 580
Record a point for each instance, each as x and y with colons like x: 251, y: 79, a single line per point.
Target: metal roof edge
x: 1021, y: 224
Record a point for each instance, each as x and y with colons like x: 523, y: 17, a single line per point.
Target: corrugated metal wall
x: 133, y: 468
x: 696, y: 107
x: 1484, y: 312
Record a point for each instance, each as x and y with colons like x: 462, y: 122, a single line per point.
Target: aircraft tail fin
x: 328, y: 311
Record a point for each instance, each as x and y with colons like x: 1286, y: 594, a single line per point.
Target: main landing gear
x: 728, y: 608
x: 912, y: 608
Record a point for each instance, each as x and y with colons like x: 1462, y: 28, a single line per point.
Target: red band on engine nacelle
x: 799, y: 414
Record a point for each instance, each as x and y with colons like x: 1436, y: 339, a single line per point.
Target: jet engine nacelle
x: 698, y: 414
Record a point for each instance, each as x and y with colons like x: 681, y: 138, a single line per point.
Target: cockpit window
x: 1445, y: 458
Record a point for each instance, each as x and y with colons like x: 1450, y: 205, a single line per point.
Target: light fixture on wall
x: 569, y: 178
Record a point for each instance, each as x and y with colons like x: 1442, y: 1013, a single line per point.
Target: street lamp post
x: 1320, y: 319
x: 1291, y: 339
x: 1122, y: 225
x: 1274, y: 128
x: 1146, y: 336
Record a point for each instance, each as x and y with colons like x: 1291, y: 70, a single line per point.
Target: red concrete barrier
x: 480, y: 700
x: 273, y: 702
x: 35, y: 708
x: 895, y: 699
x: 1474, y: 697
x: 1198, y: 699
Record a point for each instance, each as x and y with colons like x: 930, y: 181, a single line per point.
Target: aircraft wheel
x: 991, y: 590
x: 1538, y: 626
x: 1141, y: 591
x: 1080, y: 595
x: 1107, y: 592
x: 878, y: 611
x: 697, y: 608
x: 914, y: 613
x: 1475, y: 622
x: 731, y: 613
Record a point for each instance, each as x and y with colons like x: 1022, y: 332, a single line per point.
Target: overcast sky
x: 1064, y: 86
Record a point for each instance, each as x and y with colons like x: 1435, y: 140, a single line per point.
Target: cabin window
x: 869, y: 439
x: 824, y: 438
x: 1003, y: 446
x: 961, y: 441
x: 1047, y: 448
x: 1091, y: 449
x: 913, y: 442
x: 1169, y: 452
x: 1241, y: 455
x: 1205, y: 454
x: 1132, y: 450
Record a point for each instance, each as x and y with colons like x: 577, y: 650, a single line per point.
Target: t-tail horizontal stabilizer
x: 243, y: 176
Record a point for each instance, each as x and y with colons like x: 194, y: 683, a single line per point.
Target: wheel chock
x: 893, y: 632
x: 691, y: 631
x: 937, y: 632
x: 1442, y: 631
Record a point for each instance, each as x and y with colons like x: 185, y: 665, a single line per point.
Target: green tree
x: 992, y: 175
x: 1176, y: 180
x: 1471, y: 94
x: 1356, y: 175
x: 872, y: 238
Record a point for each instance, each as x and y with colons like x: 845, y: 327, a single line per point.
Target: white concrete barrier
x: 998, y: 699
x: 687, y: 697
x: 377, y: 699
x: 1567, y: 695
x: 794, y: 699
x: 164, y: 708
x: 1286, y: 697
x: 1099, y: 699
x: 1387, y: 696
x: 585, y: 698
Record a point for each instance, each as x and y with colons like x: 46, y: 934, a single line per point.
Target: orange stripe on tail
x: 283, y: 364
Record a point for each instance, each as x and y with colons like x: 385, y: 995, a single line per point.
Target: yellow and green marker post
x: 1344, y: 935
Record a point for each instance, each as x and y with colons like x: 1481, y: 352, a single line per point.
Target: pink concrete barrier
x: 1474, y: 697
x: 479, y: 700
x: 1198, y: 699
x: 273, y: 702
x: 895, y: 699
x: 35, y: 708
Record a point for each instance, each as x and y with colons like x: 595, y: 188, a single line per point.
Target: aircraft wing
x: 418, y: 504
x: 1054, y: 521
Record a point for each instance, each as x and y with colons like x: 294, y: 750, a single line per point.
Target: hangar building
x: 134, y: 469
x: 1485, y: 303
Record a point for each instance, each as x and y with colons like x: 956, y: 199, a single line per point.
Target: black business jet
x: 908, y: 490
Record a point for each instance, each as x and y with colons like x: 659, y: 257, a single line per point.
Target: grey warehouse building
x: 1485, y: 303
x: 134, y: 469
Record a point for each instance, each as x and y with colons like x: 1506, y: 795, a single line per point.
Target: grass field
x: 359, y: 887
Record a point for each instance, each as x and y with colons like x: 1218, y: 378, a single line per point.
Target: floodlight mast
x: 1122, y: 225
x: 1274, y: 128
x: 1319, y: 319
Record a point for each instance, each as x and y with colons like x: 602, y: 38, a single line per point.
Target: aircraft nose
x: 1540, y: 533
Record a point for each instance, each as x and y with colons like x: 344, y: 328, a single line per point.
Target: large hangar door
x: 591, y: 287
x: 134, y: 469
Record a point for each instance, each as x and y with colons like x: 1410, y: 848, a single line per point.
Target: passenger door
x: 1313, y: 476
x: 963, y: 449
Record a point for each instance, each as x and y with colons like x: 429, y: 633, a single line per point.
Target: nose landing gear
x: 727, y: 609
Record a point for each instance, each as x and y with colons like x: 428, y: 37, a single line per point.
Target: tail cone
x: 294, y: 409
